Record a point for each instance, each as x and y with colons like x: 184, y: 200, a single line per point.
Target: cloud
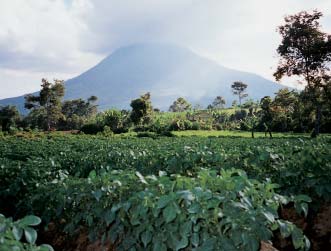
x: 43, y: 35
x: 66, y: 37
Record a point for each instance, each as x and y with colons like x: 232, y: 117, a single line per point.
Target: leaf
x: 195, y: 239
x: 269, y: 216
x: 97, y: 194
x: 169, y: 213
x: 30, y: 220
x: 303, y: 197
x: 185, y: 228
x: 146, y: 238
x: 182, y: 243
x: 163, y: 201
x: 109, y: 217
x: 17, y: 232
x: 186, y: 195
x: 92, y: 174
x: 251, y: 242
x: 209, y: 245
x: 304, y: 208
x: 194, y: 208
x: 286, y: 228
x: 159, y: 246
x: 141, y: 178
x: 46, y: 247
x: 30, y: 235
x: 298, y: 238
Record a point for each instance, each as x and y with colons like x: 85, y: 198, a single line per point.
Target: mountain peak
x: 166, y: 70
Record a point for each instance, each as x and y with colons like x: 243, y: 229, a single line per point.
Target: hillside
x: 167, y: 71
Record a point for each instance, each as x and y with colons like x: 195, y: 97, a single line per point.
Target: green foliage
x: 147, y: 212
x: 118, y: 121
x: 219, y: 102
x: 11, y: 234
x: 76, y: 112
x: 138, y: 188
x: 305, y: 51
x: 91, y: 128
x: 142, y: 110
x: 9, y: 117
x: 49, y: 101
x: 180, y: 105
x: 239, y: 88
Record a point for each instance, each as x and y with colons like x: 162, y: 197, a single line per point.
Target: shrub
x: 91, y: 128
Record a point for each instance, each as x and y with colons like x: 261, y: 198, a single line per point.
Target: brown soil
x: 80, y: 242
x: 267, y: 247
x: 317, y: 227
x: 321, y: 229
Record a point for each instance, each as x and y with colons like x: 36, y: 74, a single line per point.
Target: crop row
x: 175, y: 193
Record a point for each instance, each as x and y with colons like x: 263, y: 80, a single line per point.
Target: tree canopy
x: 49, y: 100
x: 305, y: 51
x: 239, y: 88
x: 180, y: 105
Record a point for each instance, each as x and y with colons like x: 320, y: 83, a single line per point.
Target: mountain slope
x: 167, y: 71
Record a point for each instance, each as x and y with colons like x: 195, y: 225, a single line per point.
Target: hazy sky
x: 63, y: 38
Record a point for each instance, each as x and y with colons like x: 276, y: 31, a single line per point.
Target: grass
x: 243, y: 134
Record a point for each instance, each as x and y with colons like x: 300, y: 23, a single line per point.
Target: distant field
x: 243, y: 134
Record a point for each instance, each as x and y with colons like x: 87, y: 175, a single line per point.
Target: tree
x: 180, y: 105
x: 116, y: 120
x: 77, y: 111
x: 239, y: 88
x: 80, y: 107
x: 218, y: 103
x: 284, y: 105
x: 142, y: 109
x: 267, y: 115
x: 49, y: 100
x: 9, y: 117
x: 305, y: 51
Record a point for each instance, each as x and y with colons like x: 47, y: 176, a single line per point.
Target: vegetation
x: 180, y: 105
x: 141, y: 109
x: 84, y: 180
x: 218, y: 103
x: 238, y: 88
x: 9, y: 117
x: 187, y: 179
x: 11, y: 234
x: 306, y: 51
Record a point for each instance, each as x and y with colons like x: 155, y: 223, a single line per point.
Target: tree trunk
x: 252, y: 133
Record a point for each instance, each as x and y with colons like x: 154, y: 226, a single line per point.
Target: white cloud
x: 43, y: 35
x: 66, y: 37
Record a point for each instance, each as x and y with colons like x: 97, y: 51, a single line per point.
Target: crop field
x: 170, y: 193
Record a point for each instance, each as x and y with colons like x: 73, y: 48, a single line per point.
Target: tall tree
x: 142, y: 109
x: 180, y: 105
x: 305, y: 51
x: 239, y: 88
x: 48, y: 100
x: 9, y: 117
